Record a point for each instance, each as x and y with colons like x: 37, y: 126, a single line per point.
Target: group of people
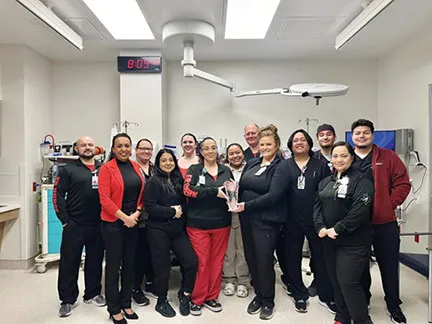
x: 341, y: 199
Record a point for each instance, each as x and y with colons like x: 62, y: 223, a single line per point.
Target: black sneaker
x: 331, y: 306
x: 397, y: 316
x: 254, y: 307
x: 195, y: 309
x: 213, y: 305
x: 266, y: 313
x: 184, y: 304
x: 149, y: 290
x: 312, y: 290
x: 301, y: 306
x: 288, y: 290
x: 65, y: 310
x: 164, y: 308
x: 139, y: 298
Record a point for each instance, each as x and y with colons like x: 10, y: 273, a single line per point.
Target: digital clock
x: 139, y: 64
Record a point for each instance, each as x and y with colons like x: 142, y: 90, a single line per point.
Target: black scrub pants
x: 74, y: 238
x: 164, y: 240
x: 143, y: 263
x: 294, y: 239
x: 120, y: 245
x: 345, y: 263
x: 259, y: 243
x: 386, y: 244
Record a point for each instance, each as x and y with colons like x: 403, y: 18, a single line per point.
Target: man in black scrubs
x: 306, y: 172
x: 76, y: 202
x: 251, y: 137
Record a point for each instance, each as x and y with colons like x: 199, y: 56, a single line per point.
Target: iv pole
x: 308, y: 120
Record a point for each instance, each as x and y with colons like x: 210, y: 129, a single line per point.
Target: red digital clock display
x: 139, y: 64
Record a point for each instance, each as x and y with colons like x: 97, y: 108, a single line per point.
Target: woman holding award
x: 235, y: 269
x: 208, y: 224
x: 262, y: 193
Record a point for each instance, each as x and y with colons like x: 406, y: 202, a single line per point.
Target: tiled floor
x: 31, y: 298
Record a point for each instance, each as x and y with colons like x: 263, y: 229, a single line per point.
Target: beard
x: 326, y: 146
x: 86, y: 155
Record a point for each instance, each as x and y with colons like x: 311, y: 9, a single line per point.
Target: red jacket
x: 111, y: 188
x: 391, y: 183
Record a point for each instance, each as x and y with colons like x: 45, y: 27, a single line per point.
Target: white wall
x: 38, y: 123
x: 204, y: 108
x: 26, y: 117
x: 85, y: 100
x: 12, y: 157
x: 403, y: 80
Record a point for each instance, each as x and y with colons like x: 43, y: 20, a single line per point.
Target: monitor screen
x: 382, y: 138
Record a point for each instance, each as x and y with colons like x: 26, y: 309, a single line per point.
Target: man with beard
x: 251, y: 137
x: 392, y: 186
x: 326, y: 137
x: 76, y: 202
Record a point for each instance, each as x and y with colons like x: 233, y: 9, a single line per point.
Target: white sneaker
x: 98, y: 301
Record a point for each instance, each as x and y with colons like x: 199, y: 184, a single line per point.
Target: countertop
x: 4, y: 208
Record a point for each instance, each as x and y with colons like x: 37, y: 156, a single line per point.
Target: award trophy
x: 231, y: 189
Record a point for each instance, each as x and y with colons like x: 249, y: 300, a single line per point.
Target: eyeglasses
x: 145, y: 149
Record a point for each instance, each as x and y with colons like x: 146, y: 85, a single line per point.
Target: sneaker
x: 164, y: 308
x: 288, y: 290
x: 300, y: 306
x: 139, y: 298
x: 396, y: 316
x: 98, y: 301
x: 266, y: 313
x: 149, y: 290
x: 312, y: 290
x: 331, y: 306
x: 65, y: 310
x: 254, y: 307
x: 184, y: 303
x: 213, y: 305
x: 195, y: 309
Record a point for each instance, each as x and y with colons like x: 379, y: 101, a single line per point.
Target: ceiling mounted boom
x: 192, y: 32
x: 189, y: 69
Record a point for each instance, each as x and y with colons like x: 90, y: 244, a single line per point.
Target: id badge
x: 201, y: 180
x: 95, y: 183
x: 261, y: 171
x: 301, y: 182
x: 342, y: 191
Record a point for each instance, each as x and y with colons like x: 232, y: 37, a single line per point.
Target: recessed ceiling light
x: 249, y: 19
x: 122, y: 18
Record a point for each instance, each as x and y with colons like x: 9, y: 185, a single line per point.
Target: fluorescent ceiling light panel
x: 38, y: 9
x: 122, y: 18
x: 249, y: 19
x: 364, y: 18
